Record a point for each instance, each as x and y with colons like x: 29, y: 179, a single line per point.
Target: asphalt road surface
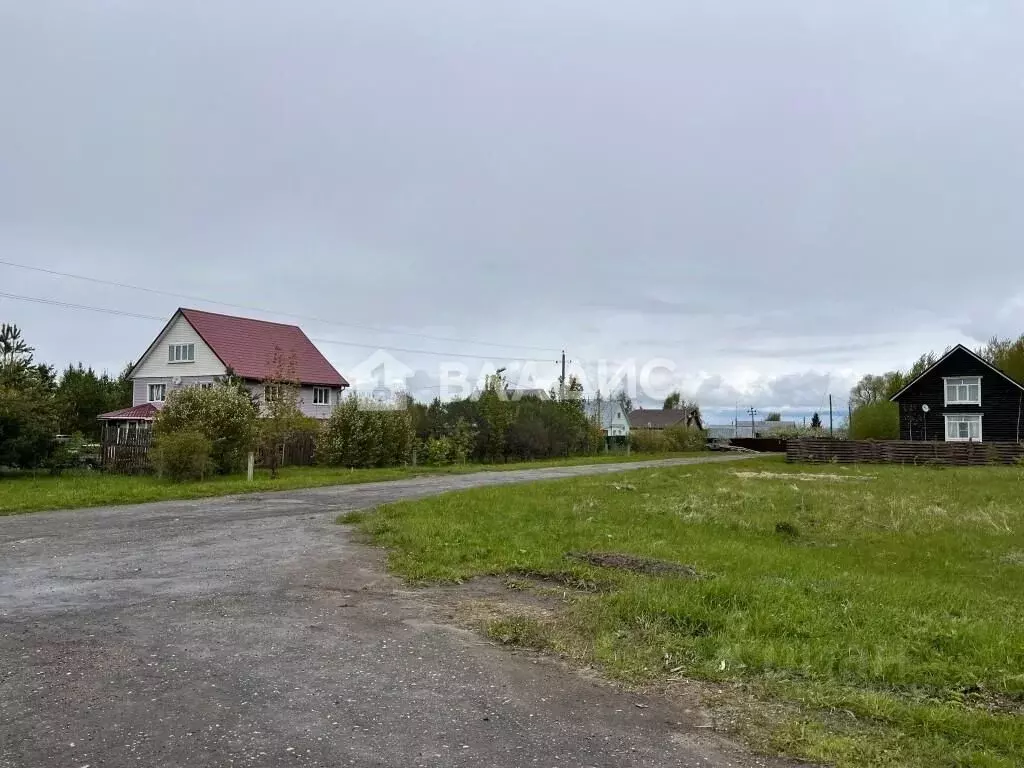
x: 252, y: 631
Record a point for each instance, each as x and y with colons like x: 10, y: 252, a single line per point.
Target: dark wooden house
x: 962, y: 398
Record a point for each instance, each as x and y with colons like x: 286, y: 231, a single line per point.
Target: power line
x: 68, y: 305
x: 123, y: 313
x: 361, y: 326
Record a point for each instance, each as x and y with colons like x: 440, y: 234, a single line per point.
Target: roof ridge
x: 946, y: 354
x: 240, y: 317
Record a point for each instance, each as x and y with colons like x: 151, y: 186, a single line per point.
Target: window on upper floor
x: 963, y: 427
x: 321, y: 396
x: 157, y: 393
x: 963, y: 390
x: 181, y: 353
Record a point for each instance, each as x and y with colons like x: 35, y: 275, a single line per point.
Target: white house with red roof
x: 196, y: 348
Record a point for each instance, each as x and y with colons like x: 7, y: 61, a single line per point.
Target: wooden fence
x: 126, y: 454
x: 129, y: 454
x: 298, y: 452
x: 817, y: 451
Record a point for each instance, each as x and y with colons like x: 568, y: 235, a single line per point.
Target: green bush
x: 686, y: 439
x: 225, y: 415
x: 648, y: 441
x: 28, y: 423
x: 438, y: 451
x: 667, y: 440
x: 879, y: 420
x: 185, y: 455
x: 361, y: 434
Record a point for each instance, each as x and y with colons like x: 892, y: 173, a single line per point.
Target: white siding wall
x: 155, y: 364
x: 306, y: 401
x: 140, y: 387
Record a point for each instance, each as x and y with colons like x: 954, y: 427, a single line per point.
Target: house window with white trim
x: 321, y: 396
x: 963, y: 427
x: 181, y: 353
x: 963, y: 390
x: 157, y: 393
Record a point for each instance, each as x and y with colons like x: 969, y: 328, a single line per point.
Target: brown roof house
x: 661, y: 418
x: 196, y: 348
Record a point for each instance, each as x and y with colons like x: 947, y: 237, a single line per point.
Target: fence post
x: 251, y: 465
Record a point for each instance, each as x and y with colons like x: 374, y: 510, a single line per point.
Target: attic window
x: 181, y: 353
x: 963, y: 391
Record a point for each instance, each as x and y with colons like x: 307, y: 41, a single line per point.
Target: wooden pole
x: 252, y: 465
x: 830, y: 415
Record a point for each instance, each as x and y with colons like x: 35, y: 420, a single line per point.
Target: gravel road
x: 252, y: 631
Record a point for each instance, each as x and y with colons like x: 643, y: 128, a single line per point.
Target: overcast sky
x: 777, y: 196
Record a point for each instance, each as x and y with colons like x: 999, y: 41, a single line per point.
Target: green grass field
x: 26, y: 492
x: 851, y: 615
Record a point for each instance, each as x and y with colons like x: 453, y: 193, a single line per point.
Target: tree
x: 1007, y: 355
x: 624, y: 400
x: 81, y: 396
x: 879, y: 420
x: 815, y: 421
x: 495, y: 414
x: 673, y: 401
x: 871, y: 388
x: 773, y: 416
x: 27, y: 425
x: 27, y: 413
x: 282, y: 417
x: 222, y: 413
x: 15, y: 353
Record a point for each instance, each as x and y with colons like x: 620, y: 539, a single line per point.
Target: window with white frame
x: 181, y: 353
x: 321, y: 396
x: 963, y: 427
x: 963, y: 391
x: 271, y: 392
x: 157, y: 393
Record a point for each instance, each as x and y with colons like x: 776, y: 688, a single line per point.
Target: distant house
x: 196, y: 348
x: 961, y: 398
x: 661, y: 418
x: 610, y: 416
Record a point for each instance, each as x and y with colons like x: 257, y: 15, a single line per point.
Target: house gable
x: 155, y: 364
x: 1001, y: 409
x: 959, y: 357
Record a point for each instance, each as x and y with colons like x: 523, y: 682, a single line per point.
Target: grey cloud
x: 794, y: 187
x: 789, y: 392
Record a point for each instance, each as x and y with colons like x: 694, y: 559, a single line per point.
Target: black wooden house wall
x: 1002, y: 402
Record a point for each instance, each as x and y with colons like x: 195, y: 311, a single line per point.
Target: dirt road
x: 252, y: 631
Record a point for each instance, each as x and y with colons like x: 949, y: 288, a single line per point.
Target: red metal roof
x: 146, y: 411
x: 248, y: 348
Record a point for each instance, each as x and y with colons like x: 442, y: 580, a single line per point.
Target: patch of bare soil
x: 812, y: 476
x: 645, y: 565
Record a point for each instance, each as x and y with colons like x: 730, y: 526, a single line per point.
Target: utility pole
x: 753, y: 412
x: 561, y: 381
x: 830, y: 416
